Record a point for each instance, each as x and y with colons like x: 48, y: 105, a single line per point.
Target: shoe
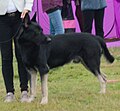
x: 9, y: 97
x: 24, y: 96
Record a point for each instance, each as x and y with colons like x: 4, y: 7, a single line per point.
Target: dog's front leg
x: 44, y: 88
x: 33, y: 84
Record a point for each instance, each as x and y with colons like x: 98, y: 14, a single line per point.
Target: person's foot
x: 24, y: 96
x: 9, y: 97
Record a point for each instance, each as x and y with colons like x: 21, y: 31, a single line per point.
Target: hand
x: 24, y: 13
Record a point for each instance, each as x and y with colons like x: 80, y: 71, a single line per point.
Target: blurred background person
x: 53, y: 9
x: 93, y: 10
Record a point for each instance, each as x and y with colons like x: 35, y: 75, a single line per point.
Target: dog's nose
x: 48, y: 39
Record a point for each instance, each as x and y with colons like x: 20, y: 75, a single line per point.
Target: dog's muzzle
x: 48, y: 39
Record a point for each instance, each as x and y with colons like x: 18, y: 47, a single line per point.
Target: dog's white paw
x: 44, y: 100
x: 102, y: 92
x: 31, y: 98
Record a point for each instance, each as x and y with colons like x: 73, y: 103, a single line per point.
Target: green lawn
x: 71, y: 88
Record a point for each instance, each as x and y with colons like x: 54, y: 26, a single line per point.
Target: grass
x: 71, y: 88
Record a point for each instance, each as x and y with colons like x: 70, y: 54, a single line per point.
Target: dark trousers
x: 9, y: 25
x: 97, y: 16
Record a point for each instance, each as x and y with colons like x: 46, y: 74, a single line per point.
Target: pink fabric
x: 117, y: 16
x: 113, y: 44
x: 69, y: 24
x: 111, y: 15
x: 109, y: 19
x: 42, y: 18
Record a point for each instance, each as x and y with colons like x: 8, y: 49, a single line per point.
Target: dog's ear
x: 34, y: 18
x: 26, y: 20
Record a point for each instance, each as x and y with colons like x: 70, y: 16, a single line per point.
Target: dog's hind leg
x: 33, y: 84
x: 102, y: 80
x: 44, y: 88
x: 93, y: 65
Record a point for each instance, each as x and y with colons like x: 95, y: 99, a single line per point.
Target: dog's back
x: 65, y: 47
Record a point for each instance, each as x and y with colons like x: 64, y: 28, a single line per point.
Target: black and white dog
x: 41, y: 52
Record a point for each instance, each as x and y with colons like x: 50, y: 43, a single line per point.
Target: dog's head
x: 31, y: 32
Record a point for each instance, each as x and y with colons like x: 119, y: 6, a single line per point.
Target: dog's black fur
x: 44, y: 52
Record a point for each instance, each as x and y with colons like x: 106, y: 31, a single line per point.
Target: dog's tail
x: 106, y: 52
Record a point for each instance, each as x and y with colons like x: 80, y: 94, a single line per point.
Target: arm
x: 27, y: 8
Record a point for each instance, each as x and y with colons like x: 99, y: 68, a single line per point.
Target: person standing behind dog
x: 68, y: 17
x: 93, y: 9
x: 53, y: 9
x: 11, y: 14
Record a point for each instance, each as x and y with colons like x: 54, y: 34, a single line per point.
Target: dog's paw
x: 102, y: 92
x: 44, y: 101
x: 31, y: 98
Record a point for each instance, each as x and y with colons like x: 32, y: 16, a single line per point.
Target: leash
x: 14, y: 34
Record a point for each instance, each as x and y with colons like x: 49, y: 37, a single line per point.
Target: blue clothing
x: 92, y: 4
x: 56, y: 24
